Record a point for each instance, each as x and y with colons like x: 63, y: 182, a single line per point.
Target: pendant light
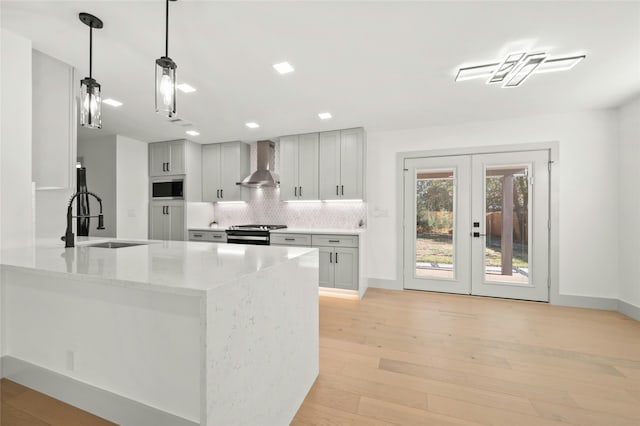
x: 90, y: 99
x: 166, y: 77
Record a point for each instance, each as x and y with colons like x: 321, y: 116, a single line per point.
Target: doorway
x: 478, y: 224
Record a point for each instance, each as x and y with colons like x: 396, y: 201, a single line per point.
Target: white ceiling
x: 381, y: 65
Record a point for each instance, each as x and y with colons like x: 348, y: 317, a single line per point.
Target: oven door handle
x: 247, y: 237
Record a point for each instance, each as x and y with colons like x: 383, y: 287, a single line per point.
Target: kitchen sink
x: 115, y: 244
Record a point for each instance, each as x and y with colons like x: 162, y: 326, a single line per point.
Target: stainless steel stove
x: 251, y: 234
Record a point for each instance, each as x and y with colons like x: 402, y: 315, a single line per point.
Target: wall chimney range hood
x: 264, y: 175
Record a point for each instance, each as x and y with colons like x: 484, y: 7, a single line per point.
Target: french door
x: 478, y: 224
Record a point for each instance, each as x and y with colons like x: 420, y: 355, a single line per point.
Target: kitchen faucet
x: 69, y: 236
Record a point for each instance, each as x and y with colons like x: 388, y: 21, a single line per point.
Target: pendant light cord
x: 166, y: 39
x: 90, y: 51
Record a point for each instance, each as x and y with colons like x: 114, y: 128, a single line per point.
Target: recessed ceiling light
x: 112, y: 102
x: 192, y: 132
x: 283, y: 67
x: 185, y: 88
x: 252, y: 125
x: 325, y: 115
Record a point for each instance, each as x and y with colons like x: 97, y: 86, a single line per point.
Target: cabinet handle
x: 330, y: 257
x: 164, y: 165
x: 217, y: 193
x: 336, y: 257
x: 217, y: 236
x: 295, y: 191
x: 334, y: 241
x: 222, y: 193
x: 168, y: 167
x: 289, y: 239
x: 300, y: 191
x: 168, y: 212
x: 342, y: 189
x: 197, y: 235
x: 337, y: 190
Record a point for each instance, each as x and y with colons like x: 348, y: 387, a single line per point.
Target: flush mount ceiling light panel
x: 192, y: 133
x: 185, y: 88
x: 90, y: 107
x: 252, y: 125
x: 112, y: 102
x: 517, y: 67
x: 166, y: 77
x: 325, y: 115
x: 283, y: 67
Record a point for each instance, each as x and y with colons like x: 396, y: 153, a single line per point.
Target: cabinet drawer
x: 334, y: 241
x: 215, y: 236
x: 303, y: 240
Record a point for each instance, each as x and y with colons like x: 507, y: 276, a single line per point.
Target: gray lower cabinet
x: 339, y: 261
x: 167, y: 221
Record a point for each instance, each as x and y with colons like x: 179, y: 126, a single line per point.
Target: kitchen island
x: 180, y: 333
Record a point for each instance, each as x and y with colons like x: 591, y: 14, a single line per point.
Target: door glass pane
x: 506, y: 254
x: 434, y: 223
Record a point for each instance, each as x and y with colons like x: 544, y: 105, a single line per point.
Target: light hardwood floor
x: 417, y: 358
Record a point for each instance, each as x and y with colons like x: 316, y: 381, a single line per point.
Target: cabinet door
x: 326, y: 267
x: 289, y: 168
x: 176, y: 223
x: 230, y: 171
x: 54, y: 123
x: 329, y: 165
x: 158, y: 226
x: 210, y: 172
x: 345, y: 261
x: 177, y: 157
x: 308, y: 167
x: 158, y: 157
x: 351, y: 164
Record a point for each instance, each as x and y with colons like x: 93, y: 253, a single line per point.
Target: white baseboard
x: 628, y: 309
x: 386, y: 284
x: 585, y: 302
x: 99, y: 402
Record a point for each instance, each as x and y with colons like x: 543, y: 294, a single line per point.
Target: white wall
x: 16, y: 193
x: 132, y: 191
x: 98, y: 155
x: 587, y: 173
x: 629, y: 192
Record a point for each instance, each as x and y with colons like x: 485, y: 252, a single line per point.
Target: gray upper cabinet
x: 299, y: 167
x: 223, y: 166
x: 342, y: 171
x: 54, y: 131
x: 167, y: 158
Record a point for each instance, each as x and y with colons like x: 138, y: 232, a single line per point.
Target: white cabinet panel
x: 230, y: 172
x: 289, y: 168
x: 308, y: 174
x: 54, y: 131
x: 158, y: 225
x: 176, y: 223
x: 223, y: 166
x: 346, y: 268
x: 167, y: 221
x: 176, y: 160
x: 158, y: 158
x: 329, y: 165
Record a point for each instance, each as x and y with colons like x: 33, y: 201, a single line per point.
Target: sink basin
x: 115, y: 244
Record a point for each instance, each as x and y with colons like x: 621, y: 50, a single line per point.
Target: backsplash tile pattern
x: 265, y: 207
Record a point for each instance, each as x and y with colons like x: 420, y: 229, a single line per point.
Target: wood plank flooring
x: 417, y: 358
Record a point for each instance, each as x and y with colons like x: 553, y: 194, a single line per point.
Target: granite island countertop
x: 173, y: 266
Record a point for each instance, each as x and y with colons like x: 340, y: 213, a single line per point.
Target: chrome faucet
x: 69, y: 236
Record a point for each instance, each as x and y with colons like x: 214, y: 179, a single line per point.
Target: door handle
x: 168, y: 166
x: 478, y: 235
x: 164, y: 168
x: 168, y: 212
x: 336, y: 257
x: 295, y: 191
x: 222, y: 193
x: 330, y: 257
x: 217, y: 193
x: 337, y: 190
x: 342, y: 189
x: 300, y: 191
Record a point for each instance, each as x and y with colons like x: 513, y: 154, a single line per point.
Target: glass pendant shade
x: 166, y: 86
x: 91, y: 104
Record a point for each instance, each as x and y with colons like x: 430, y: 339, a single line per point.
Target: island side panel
x: 140, y: 344
x: 263, y: 344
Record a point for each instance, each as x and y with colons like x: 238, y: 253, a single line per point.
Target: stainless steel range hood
x: 264, y: 175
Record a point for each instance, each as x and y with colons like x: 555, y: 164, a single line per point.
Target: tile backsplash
x: 265, y: 207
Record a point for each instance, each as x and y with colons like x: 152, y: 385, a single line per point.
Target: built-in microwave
x: 167, y: 189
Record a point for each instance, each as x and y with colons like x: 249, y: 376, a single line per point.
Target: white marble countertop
x: 333, y: 231
x: 176, y: 266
